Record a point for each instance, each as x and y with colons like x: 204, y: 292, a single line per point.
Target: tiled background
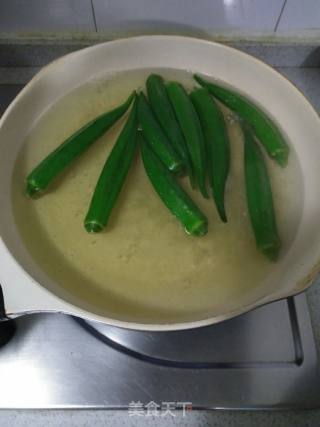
x: 203, y: 15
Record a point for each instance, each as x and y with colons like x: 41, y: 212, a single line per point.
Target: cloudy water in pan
x: 143, y: 266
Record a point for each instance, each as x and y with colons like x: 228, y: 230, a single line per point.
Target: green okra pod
x: 192, y: 131
x: 259, y: 198
x: 217, y: 145
x: 42, y: 175
x: 113, y: 175
x: 156, y: 137
x: 173, y: 196
x: 264, y: 128
x: 164, y: 112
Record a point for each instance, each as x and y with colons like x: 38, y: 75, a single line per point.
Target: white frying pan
x: 27, y: 288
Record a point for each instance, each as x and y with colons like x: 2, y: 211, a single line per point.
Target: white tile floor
x: 200, y: 14
x: 203, y: 15
x: 46, y: 15
x: 300, y: 14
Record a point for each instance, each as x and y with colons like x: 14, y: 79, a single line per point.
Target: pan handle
x: 23, y: 296
x: 20, y: 294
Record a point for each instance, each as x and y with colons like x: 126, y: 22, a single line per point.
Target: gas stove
x: 265, y: 359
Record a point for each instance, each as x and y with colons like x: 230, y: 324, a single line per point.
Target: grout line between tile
x: 94, y: 16
x: 280, y: 15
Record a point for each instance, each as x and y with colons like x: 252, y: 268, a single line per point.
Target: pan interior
x: 143, y: 267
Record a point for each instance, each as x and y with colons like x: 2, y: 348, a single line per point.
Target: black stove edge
x: 7, y: 326
x: 298, y: 360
